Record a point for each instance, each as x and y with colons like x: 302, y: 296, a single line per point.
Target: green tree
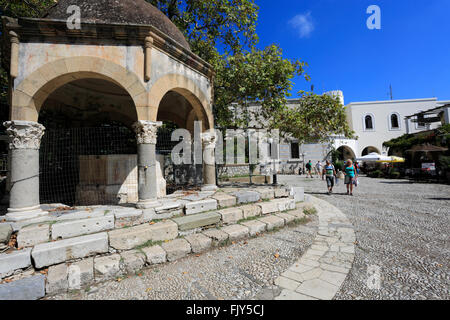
x: 314, y: 119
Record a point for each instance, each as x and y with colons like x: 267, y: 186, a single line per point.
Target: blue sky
x: 411, y: 51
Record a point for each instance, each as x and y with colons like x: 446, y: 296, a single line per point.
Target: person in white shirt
x: 319, y: 169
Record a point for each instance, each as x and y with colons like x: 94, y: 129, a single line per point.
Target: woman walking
x: 329, y: 173
x: 350, y: 176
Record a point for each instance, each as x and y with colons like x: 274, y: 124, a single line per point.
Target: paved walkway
x: 402, y: 232
x: 320, y: 272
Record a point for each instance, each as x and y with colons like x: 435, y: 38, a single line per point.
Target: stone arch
x: 370, y: 149
x: 31, y: 93
x: 188, y: 89
x: 346, y: 152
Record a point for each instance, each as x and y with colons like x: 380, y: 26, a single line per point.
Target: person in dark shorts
x: 350, y: 176
x: 329, y: 172
x: 308, y: 169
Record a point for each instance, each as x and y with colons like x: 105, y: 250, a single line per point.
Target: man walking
x: 319, y: 170
x: 308, y: 169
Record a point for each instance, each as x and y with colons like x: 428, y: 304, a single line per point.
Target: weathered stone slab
x: 155, y: 254
x: 57, y: 280
x: 246, y: 196
x: 287, y: 217
x: 132, y: 260
x: 266, y: 194
x: 85, y: 214
x: 197, y: 220
x: 200, y: 206
x: 47, y: 254
x: 107, y: 267
x: 268, y: 207
x: 297, y: 214
x: 217, y: 236
x: 74, y: 228
x: 286, y: 283
x: 231, y: 215
x: 170, y: 206
x: 236, y: 232
x: 80, y: 273
x: 281, y: 192
x: 285, y: 204
x: 33, y: 235
x: 272, y: 222
x: 298, y: 193
x: 224, y: 200
x: 292, y: 295
x: 199, y: 242
x: 176, y: 249
x: 250, y: 210
x: 9, y: 262
x: 31, y: 288
x: 318, y: 288
x: 255, y: 227
x: 5, y: 233
x: 127, y: 217
x: 129, y: 238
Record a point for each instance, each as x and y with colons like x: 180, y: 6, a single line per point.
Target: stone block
x: 199, y: 242
x: 268, y: 207
x: 246, y: 196
x: 128, y: 217
x: 175, y: 207
x: 197, y: 220
x: 47, y: 254
x: 9, y: 262
x: 133, y: 260
x: 250, y: 210
x: 266, y: 194
x: 200, y: 206
x: 255, y: 227
x: 5, y: 233
x: 217, y: 236
x: 107, y: 267
x: 285, y: 204
x: 75, y: 228
x: 231, y: 215
x: 155, y: 254
x: 297, y: 214
x: 298, y: 193
x: 57, y: 279
x: 31, y: 288
x: 176, y: 249
x: 287, y: 217
x: 272, y: 222
x: 281, y: 192
x: 32, y: 235
x: 224, y: 200
x: 129, y: 238
x: 80, y: 273
x: 236, y: 232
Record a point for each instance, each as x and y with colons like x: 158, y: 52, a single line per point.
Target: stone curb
x: 320, y: 272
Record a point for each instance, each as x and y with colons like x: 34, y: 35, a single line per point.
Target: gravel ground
x: 244, y: 270
x: 402, y: 228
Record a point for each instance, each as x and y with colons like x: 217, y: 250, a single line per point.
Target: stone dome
x: 119, y: 11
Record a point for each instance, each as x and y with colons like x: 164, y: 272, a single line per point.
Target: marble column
x: 146, y: 133
x: 209, y: 162
x: 24, y: 143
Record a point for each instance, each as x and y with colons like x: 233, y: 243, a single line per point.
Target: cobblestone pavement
x: 244, y: 270
x: 402, y: 231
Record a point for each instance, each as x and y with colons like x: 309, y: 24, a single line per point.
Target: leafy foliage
x: 314, y: 119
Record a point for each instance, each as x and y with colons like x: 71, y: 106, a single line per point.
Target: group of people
x: 328, y: 173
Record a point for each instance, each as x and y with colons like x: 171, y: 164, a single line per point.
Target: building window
x: 394, y: 121
x: 369, y: 122
x: 295, y: 152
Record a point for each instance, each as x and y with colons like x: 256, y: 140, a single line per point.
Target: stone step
x: 129, y: 238
x: 197, y: 220
x: 33, y: 235
x: 200, y: 206
x: 9, y: 262
x: 47, y: 254
x: 74, y: 228
x: 246, y: 196
x: 31, y: 288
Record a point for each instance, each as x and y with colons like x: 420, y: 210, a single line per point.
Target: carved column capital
x: 24, y: 134
x: 209, y: 139
x: 146, y: 131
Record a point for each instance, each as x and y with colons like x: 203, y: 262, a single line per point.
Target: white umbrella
x: 373, y: 157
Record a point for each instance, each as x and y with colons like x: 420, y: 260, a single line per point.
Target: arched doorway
x: 369, y: 150
x: 345, y: 153
x: 88, y: 154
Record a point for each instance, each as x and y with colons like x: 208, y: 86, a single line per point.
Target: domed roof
x: 119, y: 11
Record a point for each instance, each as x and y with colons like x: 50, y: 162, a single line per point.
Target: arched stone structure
x: 347, y: 153
x: 146, y: 58
x: 369, y: 149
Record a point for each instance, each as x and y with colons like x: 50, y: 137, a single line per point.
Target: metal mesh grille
x: 76, y: 166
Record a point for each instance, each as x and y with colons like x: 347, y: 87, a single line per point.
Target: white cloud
x: 303, y: 24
